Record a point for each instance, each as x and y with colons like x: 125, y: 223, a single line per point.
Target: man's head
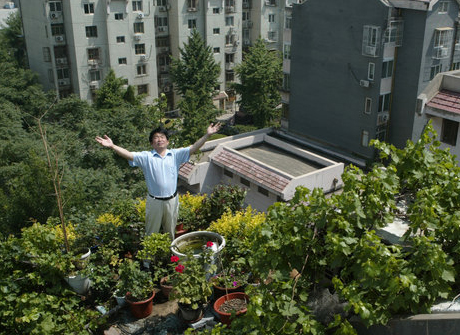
x: 159, y: 138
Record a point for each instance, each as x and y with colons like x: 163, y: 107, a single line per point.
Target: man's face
x: 159, y: 141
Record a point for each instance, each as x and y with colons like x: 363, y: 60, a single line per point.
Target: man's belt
x: 163, y: 198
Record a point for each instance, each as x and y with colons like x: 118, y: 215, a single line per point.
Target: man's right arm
x: 107, y: 142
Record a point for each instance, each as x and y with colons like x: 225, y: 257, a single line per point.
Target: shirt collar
x: 155, y: 153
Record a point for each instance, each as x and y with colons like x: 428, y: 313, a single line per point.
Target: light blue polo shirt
x: 161, y: 172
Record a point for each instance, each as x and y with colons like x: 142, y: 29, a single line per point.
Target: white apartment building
x: 72, y: 45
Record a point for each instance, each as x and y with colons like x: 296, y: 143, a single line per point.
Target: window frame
x: 138, y: 27
x: 368, y: 105
x: 191, y: 23
x: 139, y: 49
x: 447, y: 135
x: 371, y: 71
x: 141, y: 70
x: 137, y: 6
x: 88, y: 8
x: 122, y: 61
x: 91, y: 31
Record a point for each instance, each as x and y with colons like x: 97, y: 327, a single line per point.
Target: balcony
x: 192, y: 9
x: 229, y: 66
x: 229, y: 9
x: 94, y: 63
x: 162, y: 30
x: 270, y: 2
x: 247, y: 24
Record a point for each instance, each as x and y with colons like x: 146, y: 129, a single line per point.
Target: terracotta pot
x: 140, y: 309
x: 179, y: 227
x: 219, y: 291
x: 181, y: 232
x: 190, y: 315
x: 225, y: 318
x: 165, y: 288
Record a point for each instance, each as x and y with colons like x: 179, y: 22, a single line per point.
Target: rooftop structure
x: 269, y: 167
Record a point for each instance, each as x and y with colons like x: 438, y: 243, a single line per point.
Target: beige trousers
x: 161, y: 213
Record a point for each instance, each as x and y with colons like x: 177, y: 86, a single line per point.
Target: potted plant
x: 155, y: 249
x: 230, y: 306
x: 229, y: 280
x: 190, y: 286
x: 138, y: 288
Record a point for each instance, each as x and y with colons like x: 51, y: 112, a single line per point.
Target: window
x: 228, y: 173
x: 443, y: 7
x: 161, y: 21
x: 288, y: 22
x: 216, y: 31
x: 387, y: 69
x: 456, y: 66
x: 245, y: 182
x: 162, y: 42
x: 55, y: 6
x: 287, y: 51
x: 271, y: 36
x: 143, y: 89
x: 229, y: 58
x: 94, y: 75
x: 286, y: 81
x: 384, y: 102
x: 50, y: 76
x: 93, y: 54
x: 137, y: 6
x: 57, y: 29
x: 88, y: 8
x: 371, y: 71
x: 142, y: 70
x: 394, y: 32
x: 122, y: 61
x: 442, y: 37
x: 435, y: 70
x: 139, y: 49
x: 229, y: 39
x: 371, y: 40
x: 63, y: 73
x: 162, y: 2
x: 120, y: 39
x: 368, y: 106
x: 365, y: 138
x: 118, y: 16
x: 262, y: 190
x: 215, y: 11
x: 216, y: 50
x: 91, y: 31
x: 46, y: 54
x: 229, y: 3
x: 164, y: 60
x: 191, y: 23
x: 229, y: 20
x: 246, y: 16
x: 270, y: 2
x: 449, y: 132
x: 192, y: 4
x: 229, y: 76
x: 138, y: 27
x: 271, y: 17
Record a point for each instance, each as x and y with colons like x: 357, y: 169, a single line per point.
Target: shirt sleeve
x: 139, y: 159
x: 182, y: 155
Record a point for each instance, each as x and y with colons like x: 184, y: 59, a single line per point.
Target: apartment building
x: 72, y: 45
x: 358, y: 67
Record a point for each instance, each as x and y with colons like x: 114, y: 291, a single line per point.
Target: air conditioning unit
x: 137, y: 37
x: 383, y: 118
x: 370, y: 50
x: 163, y: 68
x: 162, y: 8
x: 143, y: 58
x: 191, y: 9
x: 62, y: 83
x: 55, y: 15
x: 443, y: 52
x: 93, y: 85
x: 364, y: 83
x: 236, y: 43
x: 61, y: 61
x: 140, y: 15
x: 457, y: 46
x: 161, y: 29
x: 166, y: 89
x: 59, y: 38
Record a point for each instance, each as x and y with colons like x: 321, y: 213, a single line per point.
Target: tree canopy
x: 260, y: 76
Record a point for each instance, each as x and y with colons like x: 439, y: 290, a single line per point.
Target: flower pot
x: 121, y: 301
x: 225, y: 317
x: 79, y: 284
x: 189, y: 314
x: 181, y: 232
x: 179, y: 227
x: 165, y: 288
x: 140, y: 309
x: 219, y: 291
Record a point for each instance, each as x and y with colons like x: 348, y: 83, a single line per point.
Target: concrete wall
x: 327, y: 101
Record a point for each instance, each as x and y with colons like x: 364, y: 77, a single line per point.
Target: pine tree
x: 260, y: 76
x: 195, y: 75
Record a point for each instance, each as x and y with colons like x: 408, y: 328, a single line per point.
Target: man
x: 161, y: 168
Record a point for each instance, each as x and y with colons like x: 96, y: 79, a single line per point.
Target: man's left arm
x: 212, y: 129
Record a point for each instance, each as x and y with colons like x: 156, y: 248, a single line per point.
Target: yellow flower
x: 110, y: 218
x: 239, y: 224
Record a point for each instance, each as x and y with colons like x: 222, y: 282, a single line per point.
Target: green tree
x: 260, y: 76
x: 113, y: 94
x: 13, y: 39
x: 195, y: 75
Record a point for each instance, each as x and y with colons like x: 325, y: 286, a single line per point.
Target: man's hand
x: 213, y: 128
x: 106, y: 141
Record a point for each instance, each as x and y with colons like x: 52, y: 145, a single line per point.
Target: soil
x: 233, y: 305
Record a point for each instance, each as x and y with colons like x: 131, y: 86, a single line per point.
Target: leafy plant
x: 190, y: 282
x: 156, y: 249
x: 135, y: 281
x: 189, y: 205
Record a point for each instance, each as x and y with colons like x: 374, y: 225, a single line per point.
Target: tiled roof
x: 186, y: 169
x: 445, y: 100
x: 252, y: 171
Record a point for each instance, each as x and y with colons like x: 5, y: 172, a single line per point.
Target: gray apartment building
x: 358, y: 66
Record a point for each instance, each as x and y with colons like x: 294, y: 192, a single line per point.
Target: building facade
x: 72, y: 46
x: 358, y: 66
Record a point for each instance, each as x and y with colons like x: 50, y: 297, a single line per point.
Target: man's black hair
x: 158, y: 130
